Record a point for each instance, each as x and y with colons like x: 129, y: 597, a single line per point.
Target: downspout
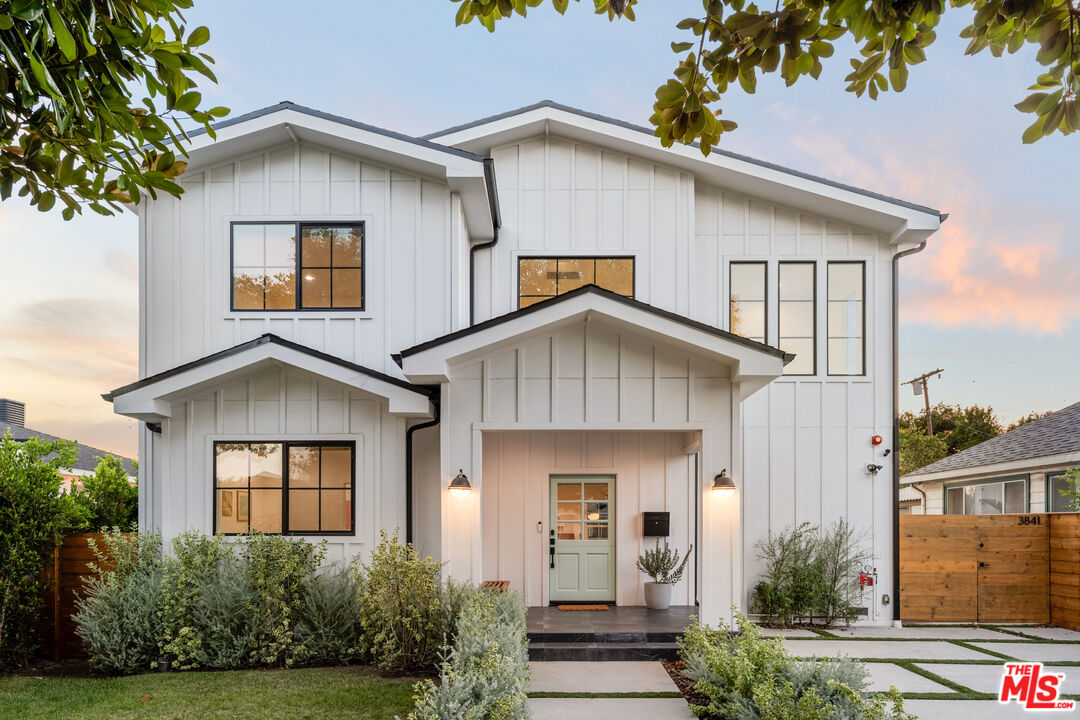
x: 496, y: 222
x: 896, y: 421
x: 409, y: 466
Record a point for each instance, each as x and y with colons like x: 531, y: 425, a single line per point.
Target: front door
x: 582, y: 544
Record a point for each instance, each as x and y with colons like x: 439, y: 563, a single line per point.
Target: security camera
x: 873, y: 469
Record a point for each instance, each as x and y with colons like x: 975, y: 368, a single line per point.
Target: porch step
x: 636, y: 637
x: 602, y: 651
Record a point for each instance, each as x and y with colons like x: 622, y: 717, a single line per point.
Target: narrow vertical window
x: 747, y: 300
x: 797, y: 317
x: 847, y: 318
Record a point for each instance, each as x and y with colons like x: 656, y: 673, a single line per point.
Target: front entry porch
x: 619, y: 633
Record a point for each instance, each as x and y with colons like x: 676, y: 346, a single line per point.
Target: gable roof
x: 148, y: 399
x: 910, y: 222
x: 86, y: 457
x: 1056, y: 434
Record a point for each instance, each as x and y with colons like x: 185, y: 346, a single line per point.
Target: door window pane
x: 797, y: 321
x: 568, y: 511
x: 544, y: 278
x: 846, y: 318
x: 747, y: 300
x: 1015, y: 502
x: 596, y: 491
x: 568, y: 531
x: 566, y: 491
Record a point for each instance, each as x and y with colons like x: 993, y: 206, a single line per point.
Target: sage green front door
x: 581, y: 552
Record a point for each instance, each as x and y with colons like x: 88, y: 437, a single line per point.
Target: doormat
x: 581, y: 607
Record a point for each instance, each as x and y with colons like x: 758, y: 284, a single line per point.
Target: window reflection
x: 747, y: 300
x: 541, y: 279
x: 796, y: 323
x: 846, y: 318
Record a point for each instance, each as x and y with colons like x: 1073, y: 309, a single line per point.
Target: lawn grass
x: 309, y: 694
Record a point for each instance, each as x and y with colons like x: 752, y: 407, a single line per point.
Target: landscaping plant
x: 107, y: 500
x: 329, y: 626
x: 33, y: 512
x: 485, y: 672
x: 663, y: 564
x: 188, y: 570
x: 841, y: 556
x: 118, y: 613
x: 745, y: 676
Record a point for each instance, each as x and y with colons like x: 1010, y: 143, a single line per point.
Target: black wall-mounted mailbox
x: 656, y: 524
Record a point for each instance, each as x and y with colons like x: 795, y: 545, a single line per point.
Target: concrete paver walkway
x: 1041, y: 652
x: 921, y: 649
x: 987, y: 678
x: 600, y: 677
x: 886, y: 675
x: 973, y: 710
x: 914, y: 632
x: 609, y: 708
x: 1050, y: 633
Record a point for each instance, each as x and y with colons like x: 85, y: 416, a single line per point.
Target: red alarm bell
x: 876, y: 440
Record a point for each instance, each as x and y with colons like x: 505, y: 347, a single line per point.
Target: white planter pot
x: 657, y: 595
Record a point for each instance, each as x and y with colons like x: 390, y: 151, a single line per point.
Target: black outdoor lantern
x: 460, y: 485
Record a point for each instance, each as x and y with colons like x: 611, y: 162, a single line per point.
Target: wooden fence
x: 70, y: 563
x: 991, y: 568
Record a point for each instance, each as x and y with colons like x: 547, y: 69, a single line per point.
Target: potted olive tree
x: 665, y: 569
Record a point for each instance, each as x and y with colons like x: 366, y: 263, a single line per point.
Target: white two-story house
x: 511, y: 340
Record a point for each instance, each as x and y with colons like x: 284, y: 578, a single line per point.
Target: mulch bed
x: 685, y: 685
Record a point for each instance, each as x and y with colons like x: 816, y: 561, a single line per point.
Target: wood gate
x: 975, y: 568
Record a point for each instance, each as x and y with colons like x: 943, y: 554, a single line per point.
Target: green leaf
x: 6, y: 22
x: 1033, y: 132
x: 46, y: 201
x: 188, y: 101
x: 1031, y: 102
x: 63, y: 36
x: 681, y: 47
x: 199, y: 36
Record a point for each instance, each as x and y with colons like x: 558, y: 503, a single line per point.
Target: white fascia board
x: 735, y: 174
x: 433, y: 365
x: 153, y: 403
x: 1012, y: 467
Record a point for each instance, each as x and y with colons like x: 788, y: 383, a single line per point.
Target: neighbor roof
x: 86, y: 458
x: 1054, y: 434
x: 448, y: 132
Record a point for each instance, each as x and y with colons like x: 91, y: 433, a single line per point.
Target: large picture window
x: 293, y: 488
x: 847, y: 318
x: 798, y: 300
x: 268, y: 273
x: 1008, y: 495
x: 542, y: 278
x: 747, y: 304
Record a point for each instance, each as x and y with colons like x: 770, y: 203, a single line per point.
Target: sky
x: 994, y: 300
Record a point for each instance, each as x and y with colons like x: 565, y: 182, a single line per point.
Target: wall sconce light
x: 722, y: 484
x: 460, y: 485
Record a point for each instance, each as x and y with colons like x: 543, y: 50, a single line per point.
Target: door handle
x: 982, y: 564
x: 551, y: 550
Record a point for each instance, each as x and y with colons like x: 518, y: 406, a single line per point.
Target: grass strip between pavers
x: 910, y: 666
x: 976, y: 648
x: 553, y: 694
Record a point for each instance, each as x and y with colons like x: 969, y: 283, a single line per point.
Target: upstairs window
x: 847, y: 318
x: 297, y: 488
x: 269, y: 274
x: 542, y: 278
x: 798, y: 300
x: 747, y: 303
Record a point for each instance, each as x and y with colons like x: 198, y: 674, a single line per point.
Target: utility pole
x: 921, y: 387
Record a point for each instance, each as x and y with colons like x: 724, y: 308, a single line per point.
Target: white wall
x: 652, y: 470
x: 275, y: 404
x: 413, y: 250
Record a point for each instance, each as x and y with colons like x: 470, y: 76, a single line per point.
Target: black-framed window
x: 797, y: 324
x: 288, y: 488
x: 748, y: 300
x: 846, y: 324
x: 542, y: 278
x: 269, y: 273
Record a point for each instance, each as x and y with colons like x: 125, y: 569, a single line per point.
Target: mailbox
x: 656, y: 524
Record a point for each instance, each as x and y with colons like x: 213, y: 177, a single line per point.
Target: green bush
x: 810, y: 574
x: 403, y: 619
x: 107, y: 500
x: 191, y: 567
x: 745, y: 676
x: 226, y: 631
x: 485, y: 673
x: 33, y: 512
x: 118, y: 614
x: 329, y: 628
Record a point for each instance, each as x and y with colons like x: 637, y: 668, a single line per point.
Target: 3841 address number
x: 1029, y: 520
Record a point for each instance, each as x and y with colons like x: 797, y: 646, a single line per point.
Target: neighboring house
x: 13, y: 420
x: 1017, y: 472
x: 342, y: 324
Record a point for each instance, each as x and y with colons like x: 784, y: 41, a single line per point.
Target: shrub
x: 118, y: 616
x: 841, y: 555
x: 191, y: 567
x: 402, y: 617
x: 485, y: 673
x: 663, y: 566
x: 329, y: 627
x: 107, y: 499
x: 226, y: 631
x: 33, y: 512
x: 745, y: 676
x: 787, y: 590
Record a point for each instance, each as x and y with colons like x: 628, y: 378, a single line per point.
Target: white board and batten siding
x: 806, y: 440
x: 280, y: 404
x: 413, y: 256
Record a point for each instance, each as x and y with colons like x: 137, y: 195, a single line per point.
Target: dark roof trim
x: 263, y: 340
x: 286, y: 105
x: 493, y: 195
x: 720, y: 151
x: 596, y: 290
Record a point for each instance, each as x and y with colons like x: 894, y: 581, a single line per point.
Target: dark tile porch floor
x: 620, y: 633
